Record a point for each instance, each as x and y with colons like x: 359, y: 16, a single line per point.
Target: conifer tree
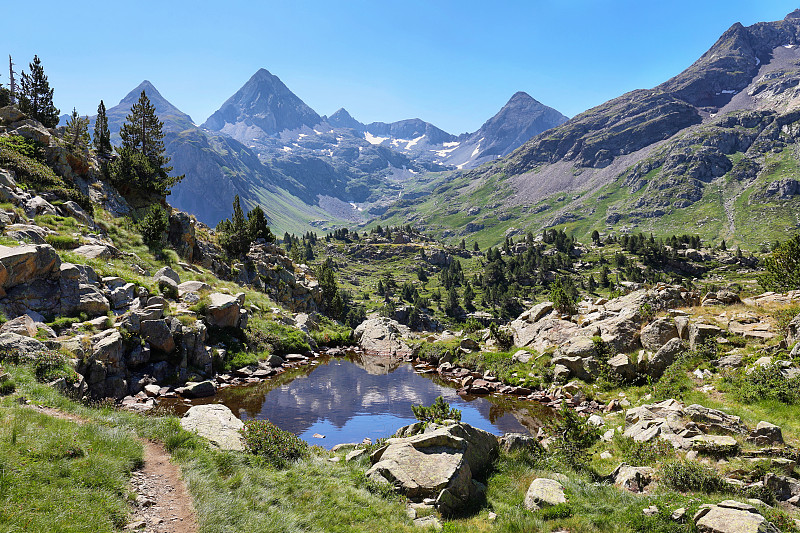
x: 102, y: 137
x: 77, y: 132
x: 142, y: 163
x: 258, y: 227
x: 36, y: 95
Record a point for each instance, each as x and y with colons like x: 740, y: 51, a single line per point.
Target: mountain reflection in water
x: 347, y: 399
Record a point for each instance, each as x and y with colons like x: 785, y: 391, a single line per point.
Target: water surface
x: 349, y: 399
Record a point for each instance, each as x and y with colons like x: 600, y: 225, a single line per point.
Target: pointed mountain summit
x: 343, y: 119
x: 174, y: 119
x: 520, y: 119
x: 263, y: 107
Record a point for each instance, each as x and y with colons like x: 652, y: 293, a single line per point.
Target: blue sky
x: 453, y: 63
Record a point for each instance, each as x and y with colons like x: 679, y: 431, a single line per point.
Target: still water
x: 348, y: 399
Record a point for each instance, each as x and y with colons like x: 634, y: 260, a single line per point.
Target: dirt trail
x: 163, y: 504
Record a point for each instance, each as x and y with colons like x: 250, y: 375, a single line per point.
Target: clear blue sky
x: 453, y: 63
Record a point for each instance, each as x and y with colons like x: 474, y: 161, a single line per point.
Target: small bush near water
x: 437, y: 412
x: 276, y: 446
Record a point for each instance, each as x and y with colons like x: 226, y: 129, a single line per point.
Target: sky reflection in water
x: 348, y: 399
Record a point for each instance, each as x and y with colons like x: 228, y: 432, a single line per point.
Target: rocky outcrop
x: 269, y: 269
x: 216, y: 423
x: 435, y: 462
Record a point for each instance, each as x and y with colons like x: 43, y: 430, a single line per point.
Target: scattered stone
x: 730, y: 516
x: 763, y: 435
x: 195, y: 389
x: 633, y: 478
x: 715, y: 444
x: 650, y: 511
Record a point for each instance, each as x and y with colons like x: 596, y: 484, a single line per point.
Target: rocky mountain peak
x: 263, y: 107
x: 794, y: 15
x: 174, y: 119
x: 343, y: 119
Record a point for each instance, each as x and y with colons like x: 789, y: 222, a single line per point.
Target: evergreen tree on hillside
x: 77, y: 132
x: 102, y: 137
x: 36, y: 95
x: 258, y: 226
x: 142, y: 163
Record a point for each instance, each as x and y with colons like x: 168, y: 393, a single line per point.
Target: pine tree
x: 102, y: 137
x: 36, y: 95
x: 451, y: 306
x: 258, y: 228
x: 142, y: 163
x: 77, y: 132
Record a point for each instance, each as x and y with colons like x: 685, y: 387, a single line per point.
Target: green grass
x: 57, y: 475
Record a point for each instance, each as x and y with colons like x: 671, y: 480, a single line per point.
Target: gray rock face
x: 664, y: 357
x: 216, y: 423
x: 25, y: 346
x: 382, y: 335
x: 622, y: 365
x: 657, y: 333
x: 731, y: 516
x: 158, y: 334
x: 544, y: 492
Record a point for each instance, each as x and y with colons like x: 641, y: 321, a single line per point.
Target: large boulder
x: 730, y: 516
x: 198, y: 389
x: 181, y: 234
x: 657, y: 333
x: 26, y: 347
x: 784, y: 488
x: 216, y: 423
x: 764, y: 434
x: 438, y: 463
x: 622, y: 366
x: 22, y: 325
x: 20, y: 264
x: 223, y: 311
x: 544, y: 492
x: 382, y: 335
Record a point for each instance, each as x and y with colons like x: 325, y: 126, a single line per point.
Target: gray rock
x: 633, y: 478
x: 512, y: 442
x: 730, y: 362
x: 664, y: 357
x: 699, y: 333
x: 223, y: 311
x: 731, y: 517
x: 192, y: 286
x: 715, y: 444
x: 783, y: 487
x: 20, y: 264
x: 22, y: 325
x: 198, y: 389
x: 622, y: 365
x: 763, y: 435
x: 382, y: 335
x: 657, y: 333
x: 544, y: 492
x: 216, y: 423
x: 97, y: 251
x: 158, y: 334
x: 167, y: 272
x: 25, y: 346
x: 521, y: 356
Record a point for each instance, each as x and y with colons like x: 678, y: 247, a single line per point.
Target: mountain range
x: 713, y: 151
x: 305, y: 170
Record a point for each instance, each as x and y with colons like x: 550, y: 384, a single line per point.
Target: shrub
x: 50, y: 365
x: 764, y: 383
x: 7, y: 386
x: 276, y: 338
x: 642, y: 453
x: 276, y: 446
x: 782, y: 267
x: 691, y: 476
x: 572, y: 436
x: 438, y: 411
x: 153, y: 225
